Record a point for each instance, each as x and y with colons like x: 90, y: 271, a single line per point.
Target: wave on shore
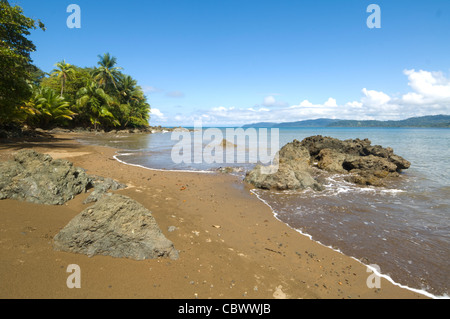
x: 333, y: 188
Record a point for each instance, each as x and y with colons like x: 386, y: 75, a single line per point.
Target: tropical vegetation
x: 101, y: 96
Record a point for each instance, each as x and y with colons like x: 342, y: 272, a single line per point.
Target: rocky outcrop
x: 115, y: 226
x: 38, y: 178
x: 364, y: 163
x: 291, y: 171
x: 332, y: 160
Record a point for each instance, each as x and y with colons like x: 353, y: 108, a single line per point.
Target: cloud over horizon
x: 429, y: 95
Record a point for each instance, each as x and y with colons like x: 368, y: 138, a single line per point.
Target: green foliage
x: 46, y: 108
x: 15, y: 61
x: 107, y: 74
x: 78, y: 79
x: 63, y: 72
x: 70, y: 96
x: 95, y: 105
x: 133, y: 105
x: 109, y: 98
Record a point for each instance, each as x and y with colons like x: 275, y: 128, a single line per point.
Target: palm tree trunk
x: 63, y: 80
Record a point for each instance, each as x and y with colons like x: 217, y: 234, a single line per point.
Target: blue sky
x: 237, y: 62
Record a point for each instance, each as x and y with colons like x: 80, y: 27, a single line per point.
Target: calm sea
x: 403, y: 228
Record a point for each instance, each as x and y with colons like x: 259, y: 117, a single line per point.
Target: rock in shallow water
x: 116, y: 226
x: 292, y: 171
x: 365, y: 164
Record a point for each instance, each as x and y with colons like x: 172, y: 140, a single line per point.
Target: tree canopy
x: 100, y: 97
x: 15, y: 61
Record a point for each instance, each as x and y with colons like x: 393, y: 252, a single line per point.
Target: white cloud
x: 306, y: 103
x: 151, y: 89
x: 158, y: 114
x: 175, y: 94
x: 270, y: 101
x: 429, y: 84
x: 354, y: 104
x: 429, y: 95
x: 429, y: 88
x: 219, y: 109
x: 374, y: 98
x: 331, y: 102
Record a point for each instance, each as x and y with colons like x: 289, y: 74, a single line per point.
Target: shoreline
x: 252, y: 255
x: 275, y: 215
x: 375, y: 271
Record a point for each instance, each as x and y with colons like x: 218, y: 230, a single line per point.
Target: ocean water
x: 403, y: 228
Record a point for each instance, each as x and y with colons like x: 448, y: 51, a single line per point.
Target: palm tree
x: 49, y: 107
x: 133, y: 103
x: 63, y: 72
x: 94, y: 102
x: 107, y: 73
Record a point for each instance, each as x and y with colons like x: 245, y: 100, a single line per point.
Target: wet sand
x: 230, y: 244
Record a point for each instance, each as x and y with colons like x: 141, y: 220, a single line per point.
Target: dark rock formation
x: 292, y: 172
x: 364, y: 163
x: 367, y: 164
x: 116, y: 226
x: 38, y: 178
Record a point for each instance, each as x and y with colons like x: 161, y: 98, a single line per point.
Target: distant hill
x: 307, y: 123
x: 442, y: 121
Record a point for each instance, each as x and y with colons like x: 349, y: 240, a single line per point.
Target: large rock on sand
x: 115, y: 226
x: 292, y: 172
x: 38, y: 178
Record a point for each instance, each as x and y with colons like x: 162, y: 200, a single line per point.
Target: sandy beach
x: 230, y: 244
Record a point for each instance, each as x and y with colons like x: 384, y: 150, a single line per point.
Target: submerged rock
x: 225, y: 143
x: 116, y: 226
x: 38, y: 178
